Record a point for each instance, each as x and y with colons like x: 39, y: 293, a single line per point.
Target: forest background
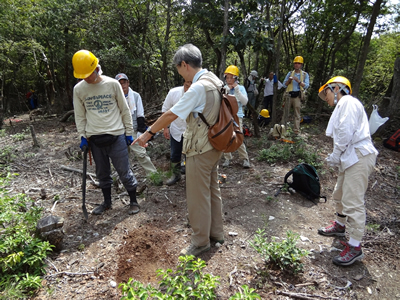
x: 358, y: 39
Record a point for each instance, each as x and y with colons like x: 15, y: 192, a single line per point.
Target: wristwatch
x: 149, y: 130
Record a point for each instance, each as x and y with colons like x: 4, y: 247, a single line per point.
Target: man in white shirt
x: 355, y: 156
x: 175, y: 131
x: 269, y: 91
x: 203, y: 194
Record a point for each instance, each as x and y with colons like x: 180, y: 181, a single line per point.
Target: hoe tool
x: 85, y: 152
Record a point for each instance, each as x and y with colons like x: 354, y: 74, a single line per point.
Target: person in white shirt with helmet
x: 355, y: 156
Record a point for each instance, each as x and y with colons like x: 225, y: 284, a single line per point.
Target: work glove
x: 84, y: 143
x: 141, y: 126
x: 129, y: 140
x: 333, y: 159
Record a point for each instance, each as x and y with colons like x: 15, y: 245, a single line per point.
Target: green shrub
x: 21, y: 253
x: 285, y: 152
x: 187, y: 282
x: 285, y: 255
x: 156, y: 178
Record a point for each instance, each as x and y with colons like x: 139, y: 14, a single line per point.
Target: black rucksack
x: 305, y: 181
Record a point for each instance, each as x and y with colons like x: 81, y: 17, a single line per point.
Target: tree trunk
x: 392, y: 110
x: 277, y: 60
x: 360, y: 69
x: 225, y: 34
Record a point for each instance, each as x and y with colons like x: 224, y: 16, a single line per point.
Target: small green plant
x: 285, y: 152
x: 56, y: 197
x: 81, y: 247
x: 3, y: 133
x: 285, y: 254
x: 245, y: 293
x: 156, y: 178
x: 187, y: 282
x: 28, y: 155
x: 373, y: 227
x: 21, y: 253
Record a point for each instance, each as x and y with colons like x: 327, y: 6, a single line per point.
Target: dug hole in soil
x: 99, y: 254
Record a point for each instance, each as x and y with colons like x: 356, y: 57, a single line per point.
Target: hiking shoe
x: 134, y: 208
x: 193, y: 250
x: 334, y: 229
x: 226, y: 163
x: 246, y: 164
x: 217, y: 240
x: 100, y: 209
x: 348, y: 256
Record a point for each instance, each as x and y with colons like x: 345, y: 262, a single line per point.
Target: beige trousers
x: 143, y: 159
x: 203, y: 197
x: 296, y: 104
x: 242, y: 149
x: 349, y: 194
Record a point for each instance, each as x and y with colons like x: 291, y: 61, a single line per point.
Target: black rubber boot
x: 106, y: 204
x: 134, y: 207
x: 176, y: 174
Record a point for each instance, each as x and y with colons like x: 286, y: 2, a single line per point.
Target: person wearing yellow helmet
x: 233, y: 87
x: 296, y: 82
x: 104, y: 123
x: 355, y: 155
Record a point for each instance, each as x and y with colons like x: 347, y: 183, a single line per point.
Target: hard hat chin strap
x: 342, y: 87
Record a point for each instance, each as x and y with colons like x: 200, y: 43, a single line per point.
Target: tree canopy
x: 39, y: 37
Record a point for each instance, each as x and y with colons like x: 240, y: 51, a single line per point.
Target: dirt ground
x: 100, y: 254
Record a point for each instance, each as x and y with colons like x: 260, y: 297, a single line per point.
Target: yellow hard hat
x: 265, y: 113
x: 232, y: 70
x: 298, y: 59
x: 84, y: 63
x: 336, y: 79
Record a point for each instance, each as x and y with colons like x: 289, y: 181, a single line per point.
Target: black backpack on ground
x: 305, y: 181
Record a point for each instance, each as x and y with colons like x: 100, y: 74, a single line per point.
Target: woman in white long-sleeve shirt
x: 239, y: 91
x: 355, y: 156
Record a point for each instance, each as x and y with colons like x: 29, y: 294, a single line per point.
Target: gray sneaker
x: 193, y: 250
x: 348, y: 256
x: 226, y: 163
x: 246, y: 164
x: 334, y: 229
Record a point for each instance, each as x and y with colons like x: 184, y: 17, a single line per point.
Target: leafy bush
x: 285, y: 152
x: 285, y: 254
x: 156, y: 178
x: 21, y: 253
x: 187, y: 282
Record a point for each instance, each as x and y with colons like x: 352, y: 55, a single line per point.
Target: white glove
x: 333, y: 159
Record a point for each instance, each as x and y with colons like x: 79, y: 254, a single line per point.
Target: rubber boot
x: 134, y: 207
x: 176, y: 174
x: 106, y: 204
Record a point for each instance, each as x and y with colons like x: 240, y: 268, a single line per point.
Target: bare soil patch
x: 113, y: 247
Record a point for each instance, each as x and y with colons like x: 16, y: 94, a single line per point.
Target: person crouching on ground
x: 104, y: 122
x: 355, y: 156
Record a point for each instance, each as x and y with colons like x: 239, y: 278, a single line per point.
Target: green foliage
x: 245, y: 293
x: 156, y: 178
x: 21, y: 253
x: 20, y: 136
x: 285, y: 255
x: 373, y: 227
x: 187, y: 282
x: 285, y: 152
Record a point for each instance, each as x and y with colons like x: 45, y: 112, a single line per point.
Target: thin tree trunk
x: 360, y: 69
x: 225, y: 34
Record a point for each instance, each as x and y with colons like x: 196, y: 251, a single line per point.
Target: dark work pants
x: 176, y: 149
x: 118, y: 153
x: 268, y: 102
